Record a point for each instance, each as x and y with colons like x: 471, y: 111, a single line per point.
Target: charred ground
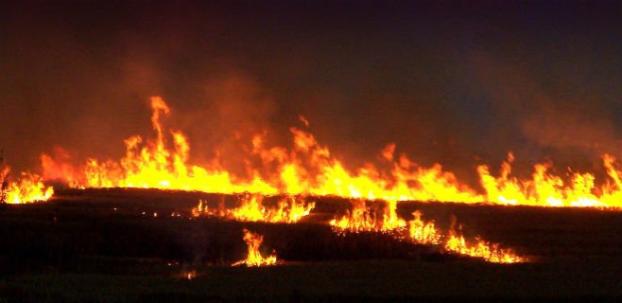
x: 107, y: 245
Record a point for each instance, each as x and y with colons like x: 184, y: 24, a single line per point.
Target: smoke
x: 553, y: 116
x: 441, y: 83
x: 562, y: 128
x: 234, y: 108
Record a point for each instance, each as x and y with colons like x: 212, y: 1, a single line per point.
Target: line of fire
x: 308, y: 170
x: 310, y: 151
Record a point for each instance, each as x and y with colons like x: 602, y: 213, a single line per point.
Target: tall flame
x: 254, y: 256
x: 29, y: 188
x: 308, y: 168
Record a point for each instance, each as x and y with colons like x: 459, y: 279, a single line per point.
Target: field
x: 140, y: 245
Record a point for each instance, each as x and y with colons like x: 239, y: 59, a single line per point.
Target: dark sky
x: 456, y: 82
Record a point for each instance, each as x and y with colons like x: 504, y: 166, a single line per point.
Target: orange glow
x: 453, y: 241
x: 479, y: 248
x: 309, y: 168
x: 190, y: 275
x: 547, y: 189
x: 289, y: 210
x: 361, y: 218
x: 423, y: 232
x: 254, y: 258
x: 154, y: 164
x: 29, y: 188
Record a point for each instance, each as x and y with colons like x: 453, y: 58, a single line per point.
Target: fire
x: 423, y: 232
x: 547, y: 189
x: 29, y: 188
x: 480, y: 249
x: 153, y: 164
x: 309, y: 168
x: 254, y: 257
x: 289, y: 210
x: 454, y: 241
x: 361, y: 218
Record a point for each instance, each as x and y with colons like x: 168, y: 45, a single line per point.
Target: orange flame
x: 28, y: 189
x: 361, y: 218
x: 309, y: 168
x: 480, y: 249
x: 153, y: 164
x: 427, y: 233
x: 423, y: 232
x: 254, y: 257
x: 288, y: 210
x: 546, y: 189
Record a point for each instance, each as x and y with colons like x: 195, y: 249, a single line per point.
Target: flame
x: 547, y: 189
x: 455, y: 242
x: 289, y: 210
x: 480, y: 249
x: 29, y: 188
x: 154, y: 164
x: 423, y: 232
x: 361, y: 218
x: 254, y: 257
x: 309, y: 168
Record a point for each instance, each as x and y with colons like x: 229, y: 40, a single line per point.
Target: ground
x: 107, y: 246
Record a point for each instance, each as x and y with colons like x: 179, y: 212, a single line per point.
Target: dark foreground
x: 107, y: 246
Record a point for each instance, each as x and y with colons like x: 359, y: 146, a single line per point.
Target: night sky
x: 460, y: 83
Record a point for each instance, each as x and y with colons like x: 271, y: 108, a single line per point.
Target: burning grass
x: 80, y: 234
x: 453, y: 241
x: 254, y: 258
x: 288, y: 210
x: 309, y: 168
x: 29, y: 188
x: 363, y: 219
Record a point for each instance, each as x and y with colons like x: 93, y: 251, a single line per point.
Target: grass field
x: 107, y: 246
